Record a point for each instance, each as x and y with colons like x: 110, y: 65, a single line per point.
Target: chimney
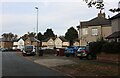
x: 101, y: 14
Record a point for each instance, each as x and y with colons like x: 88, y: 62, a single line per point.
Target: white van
x: 29, y: 50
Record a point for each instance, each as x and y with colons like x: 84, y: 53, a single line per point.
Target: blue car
x: 71, y: 50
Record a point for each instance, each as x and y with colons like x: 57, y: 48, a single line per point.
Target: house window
x: 94, y: 31
x: 84, y: 31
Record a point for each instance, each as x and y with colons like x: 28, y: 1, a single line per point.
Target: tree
x: 40, y: 36
x: 29, y: 34
x: 49, y: 33
x: 115, y: 10
x: 97, y: 3
x: 100, y: 5
x: 9, y: 36
x: 71, y: 35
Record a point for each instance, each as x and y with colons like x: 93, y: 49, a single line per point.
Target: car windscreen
x: 28, y: 47
x: 81, y: 48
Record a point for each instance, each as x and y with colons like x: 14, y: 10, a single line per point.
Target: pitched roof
x: 48, y: 39
x: 114, y: 35
x: 5, y: 40
x: 63, y: 39
x: 97, y: 21
x: 33, y: 39
x: 116, y: 16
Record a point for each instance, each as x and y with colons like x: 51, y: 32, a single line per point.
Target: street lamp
x: 37, y: 19
x: 37, y: 28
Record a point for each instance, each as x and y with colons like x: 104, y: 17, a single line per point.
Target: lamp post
x: 37, y: 18
x: 37, y: 28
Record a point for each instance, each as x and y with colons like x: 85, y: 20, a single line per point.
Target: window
x: 84, y: 31
x: 94, y: 31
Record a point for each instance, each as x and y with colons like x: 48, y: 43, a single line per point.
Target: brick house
x: 20, y: 43
x: 94, y: 29
x: 6, y: 43
x: 115, y: 36
x: 32, y: 41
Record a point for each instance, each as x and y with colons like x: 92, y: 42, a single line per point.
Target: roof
x: 48, y: 39
x: 116, y: 16
x: 63, y: 39
x: 114, y: 35
x: 100, y: 20
x: 96, y: 22
x: 15, y: 40
x: 33, y: 39
x: 5, y: 40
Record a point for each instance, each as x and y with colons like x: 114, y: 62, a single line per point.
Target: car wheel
x: 24, y: 54
x: 80, y: 57
x: 67, y: 55
x: 89, y: 57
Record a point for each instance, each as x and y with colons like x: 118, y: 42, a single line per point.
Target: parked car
x: 4, y: 49
x: 29, y: 50
x: 71, y: 50
x: 83, y: 52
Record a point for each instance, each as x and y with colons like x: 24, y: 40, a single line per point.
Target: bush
x: 111, y: 47
x: 96, y: 46
x: 103, y: 46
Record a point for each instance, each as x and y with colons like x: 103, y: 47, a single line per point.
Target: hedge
x: 103, y: 46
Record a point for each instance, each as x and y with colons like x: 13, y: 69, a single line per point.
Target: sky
x: 19, y: 16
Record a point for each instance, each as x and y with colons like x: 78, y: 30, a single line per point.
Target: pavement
x: 53, y: 62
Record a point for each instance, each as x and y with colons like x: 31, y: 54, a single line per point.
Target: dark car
x: 83, y: 52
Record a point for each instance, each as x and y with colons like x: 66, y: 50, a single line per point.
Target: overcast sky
x: 19, y: 16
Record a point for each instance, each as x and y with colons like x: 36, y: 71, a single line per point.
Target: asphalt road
x: 14, y: 65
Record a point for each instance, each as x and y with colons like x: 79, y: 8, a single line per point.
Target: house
x: 32, y: 41
x: 20, y: 43
x: 48, y: 43
x: 94, y: 29
x: 76, y: 42
x: 61, y: 42
x: 4, y: 43
x: 115, y: 36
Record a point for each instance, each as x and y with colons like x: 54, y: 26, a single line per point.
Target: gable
x: 58, y: 41
x: 21, y: 42
x: 50, y: 41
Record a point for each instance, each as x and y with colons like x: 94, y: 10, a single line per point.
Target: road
x: 14, y: 65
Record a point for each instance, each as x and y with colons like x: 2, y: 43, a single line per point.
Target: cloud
x: 56, y: 15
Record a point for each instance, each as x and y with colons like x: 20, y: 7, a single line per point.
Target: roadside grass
x: 89, y: 69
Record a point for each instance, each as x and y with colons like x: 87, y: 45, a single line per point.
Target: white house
x: 18, y: 44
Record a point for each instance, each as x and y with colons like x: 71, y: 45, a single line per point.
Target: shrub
x: 96, y: 46
x: 103, y: 46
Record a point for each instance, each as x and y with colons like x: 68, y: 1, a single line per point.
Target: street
x: 13, y: 65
